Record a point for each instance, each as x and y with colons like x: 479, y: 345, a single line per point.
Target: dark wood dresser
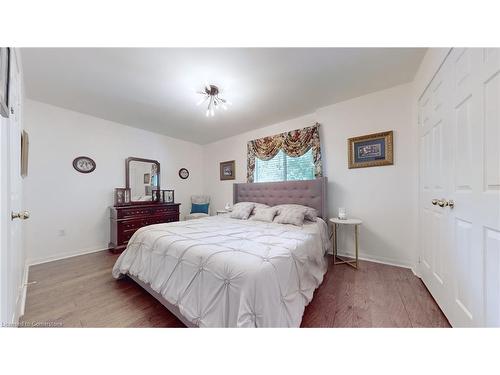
x: 125, y: 220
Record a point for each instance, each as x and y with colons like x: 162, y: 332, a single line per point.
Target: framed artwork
x: 168, y: 196
x: 25, y: 146
x: 227, y: 170
x: 147, y: 178
x: 372, y: 150
x: 4, y: 81
x: 122, y: 196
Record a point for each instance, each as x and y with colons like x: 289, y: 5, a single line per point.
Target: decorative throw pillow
x: 310, y: 213
x: 256, y: 205
x: 291, y: 215
x: 260, y: 205
x: 242, y: 210
x: 266, y: 214
x: 199, y: 208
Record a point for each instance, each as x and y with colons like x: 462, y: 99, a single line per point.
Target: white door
x: 459, y: 129
x: 434, y: 131
x: 12, y: 259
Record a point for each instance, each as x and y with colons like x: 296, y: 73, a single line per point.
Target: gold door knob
x: 20, y: 215
x: 443, y: 203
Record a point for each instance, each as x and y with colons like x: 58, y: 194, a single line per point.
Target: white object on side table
x: 220, y: 212
x: 354, y: 222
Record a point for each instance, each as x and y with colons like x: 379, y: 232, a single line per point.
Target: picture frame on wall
x: 4, y: 81
x: 372, y: 150
x: 227, y: 170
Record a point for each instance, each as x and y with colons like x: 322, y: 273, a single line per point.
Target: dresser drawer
x: 126, y: 220
x: 147, y: 211
x: 143, y: 222
x: 126, y: 212
x: 169, y: 210
x: 127, y: 235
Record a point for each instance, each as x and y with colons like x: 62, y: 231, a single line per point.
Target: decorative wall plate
x: 84, y: 164
x: 183, y: 173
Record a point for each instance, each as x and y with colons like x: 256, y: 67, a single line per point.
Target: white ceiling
x: 155, y: 88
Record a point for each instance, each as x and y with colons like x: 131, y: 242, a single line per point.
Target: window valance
x: 294, y: 143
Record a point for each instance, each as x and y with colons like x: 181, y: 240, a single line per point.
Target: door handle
x: 443, y: 203
x: 448, y: 203
x: 20, y: 215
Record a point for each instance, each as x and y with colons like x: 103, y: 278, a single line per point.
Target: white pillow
x: 310, y: 213
x: 257, y: 205
x: 242, y: 210
x: 266, y: 214
x: 260, y: 205
x: 291, y: 215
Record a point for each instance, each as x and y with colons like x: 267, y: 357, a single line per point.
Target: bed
x: 224, y: 272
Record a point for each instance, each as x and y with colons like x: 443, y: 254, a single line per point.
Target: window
x: 285, y: 168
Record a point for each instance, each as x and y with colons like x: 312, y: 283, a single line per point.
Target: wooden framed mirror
x: 142, y: 177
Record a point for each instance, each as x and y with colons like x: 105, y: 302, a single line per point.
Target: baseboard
x: 381, y: 260
x: 415, y: 271
x: 52, y: 258
x: 21, y: 297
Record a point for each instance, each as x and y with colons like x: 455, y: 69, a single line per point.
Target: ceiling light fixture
x: 211, y: 94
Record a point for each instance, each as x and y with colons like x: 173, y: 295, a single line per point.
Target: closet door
x: 467, y: 163
x: 489, y: 188
x: 461, y: 264
x: 435, y: 178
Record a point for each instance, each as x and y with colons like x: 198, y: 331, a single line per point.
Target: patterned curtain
x: 294, y: 143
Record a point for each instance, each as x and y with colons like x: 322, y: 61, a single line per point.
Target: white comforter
x: 223, y: 272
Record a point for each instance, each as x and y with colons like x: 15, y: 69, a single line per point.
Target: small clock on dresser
x: 183, y: 173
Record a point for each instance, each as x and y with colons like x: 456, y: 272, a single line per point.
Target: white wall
x: 383, y: 197
x: 70, y: 210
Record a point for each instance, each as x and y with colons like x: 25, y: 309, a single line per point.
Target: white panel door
x: 467, y: 248
x: 435, y: 183
x: 11, y: 259
x: 489, y: 184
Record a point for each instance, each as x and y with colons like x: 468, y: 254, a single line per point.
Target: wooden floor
x: 80, y: 292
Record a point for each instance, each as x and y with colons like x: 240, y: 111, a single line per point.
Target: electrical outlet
x: 61, y: 232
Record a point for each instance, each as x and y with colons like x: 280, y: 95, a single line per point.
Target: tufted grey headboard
x: 310, y: 193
